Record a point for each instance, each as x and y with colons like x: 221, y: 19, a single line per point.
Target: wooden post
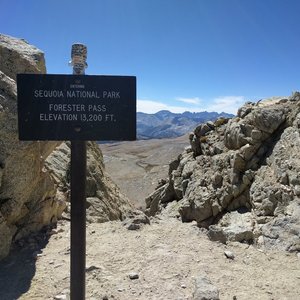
x: 78, y: 194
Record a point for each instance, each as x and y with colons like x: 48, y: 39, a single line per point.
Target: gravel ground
x: 166, y: 256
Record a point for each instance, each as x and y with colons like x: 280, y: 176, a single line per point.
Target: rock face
x: 104, y: 200
x: 240, y: 177
x: 34, y: 178
x: 17, y: 56
x: 27, y: 191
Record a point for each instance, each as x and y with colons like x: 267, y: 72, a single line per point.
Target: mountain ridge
x: 166, y: 124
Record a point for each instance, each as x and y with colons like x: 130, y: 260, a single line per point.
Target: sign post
x: 78, y: 108
x: 78, y: 194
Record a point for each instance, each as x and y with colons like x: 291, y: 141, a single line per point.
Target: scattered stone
x: 135, y: 220
x: 133, y: 275
x: 37, y: 254
x: 229, y: 254
x: 205, y: 290
x: 57, y: 266
x: 61, y: 297
x: 92, y: 268
x: 133, y: 226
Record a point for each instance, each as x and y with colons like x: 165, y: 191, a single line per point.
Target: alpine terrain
x: 213, y: 214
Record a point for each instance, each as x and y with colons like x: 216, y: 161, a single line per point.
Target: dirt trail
x: 167, y: 256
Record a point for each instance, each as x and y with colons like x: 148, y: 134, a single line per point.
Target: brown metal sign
x: 76, y: 107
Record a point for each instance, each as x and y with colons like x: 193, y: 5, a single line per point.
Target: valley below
x: 137, y: 166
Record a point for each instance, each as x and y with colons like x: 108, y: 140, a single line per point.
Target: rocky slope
x: 33, y: 179
x: 165, y: 124
x: 240, y: 177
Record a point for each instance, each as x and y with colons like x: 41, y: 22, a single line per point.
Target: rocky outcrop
x: 27, y: 191
x: 17, y: 56
x: 104, y: 199
x: 34, y: 187
x: 240, y: 177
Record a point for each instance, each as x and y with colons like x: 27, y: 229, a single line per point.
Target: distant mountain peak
x: 165, y: 124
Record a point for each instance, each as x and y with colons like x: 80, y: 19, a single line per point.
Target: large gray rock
x: 234, y: 226
x: 249, y: 166
x: 18, y: 56
x: 205, y: 290
x: 27, y: 191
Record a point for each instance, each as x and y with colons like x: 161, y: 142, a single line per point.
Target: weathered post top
x: 78, y: 56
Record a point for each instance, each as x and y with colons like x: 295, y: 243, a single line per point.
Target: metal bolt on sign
x: 78, y: 193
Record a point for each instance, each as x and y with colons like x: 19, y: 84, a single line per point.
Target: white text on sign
x: 77, y: 94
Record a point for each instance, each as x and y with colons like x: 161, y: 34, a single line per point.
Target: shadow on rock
x: 18, y: 269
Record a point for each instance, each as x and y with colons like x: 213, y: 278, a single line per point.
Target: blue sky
x: 187, y: 55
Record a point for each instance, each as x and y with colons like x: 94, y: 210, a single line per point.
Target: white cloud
x: 229, y: 104
x: 149, y: 106
x: 194, y: 100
